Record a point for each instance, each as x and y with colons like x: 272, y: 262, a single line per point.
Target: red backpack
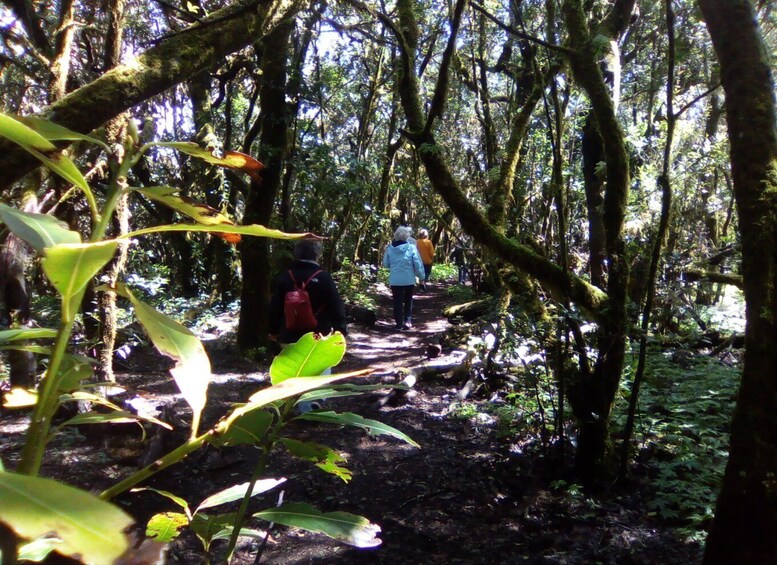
x: 297, y: 308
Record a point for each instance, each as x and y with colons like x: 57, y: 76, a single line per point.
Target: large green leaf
x: 91, y: 529
x: 373, y: 427
x: 71, y: 267
x: 21, y: 134
x: 325, y: 458
x: 310, y: 356
x: 342, y: 526
x: 254, y: 229
x: 248, y: 429
x: 237, y: 492
x: 286, y: 389
x: 55, y: 132
x: 192, y: 366
x: 7, y: 336
x: 201, y: 213
x: 231, y: 159
x: 38, y: 145
x: 38, y: 230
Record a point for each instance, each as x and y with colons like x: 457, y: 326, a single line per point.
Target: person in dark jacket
x: 324, y: 297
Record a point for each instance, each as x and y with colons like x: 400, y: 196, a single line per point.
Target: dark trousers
x: 427, y: 272
x: 403, y: 303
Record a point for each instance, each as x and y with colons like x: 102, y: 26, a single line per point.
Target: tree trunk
x: 255, y: 252
x: 172, y: 61
x: 745, y: 526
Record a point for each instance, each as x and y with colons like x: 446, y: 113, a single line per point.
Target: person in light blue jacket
x: 404, y: 265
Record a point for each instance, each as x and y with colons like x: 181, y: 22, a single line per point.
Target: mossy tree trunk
x: 168, y: 63
x: 255, y: 252
x: 745, y: 526
x: 592, y: 400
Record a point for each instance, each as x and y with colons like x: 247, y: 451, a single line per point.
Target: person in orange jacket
x: 426, y: 251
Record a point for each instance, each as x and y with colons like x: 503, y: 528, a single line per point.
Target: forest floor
x: 467, y: 495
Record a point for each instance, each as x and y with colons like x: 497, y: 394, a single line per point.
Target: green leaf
x: 38, y: 230
x: 21, y: 134
x: 71, y: 373
x: 201, y: 213
x: 254, y: 229
x: 342, y: 526
x: 39, y: 549
x: 71, y: 267
x: 7, y: 336
x: 166, y: 526
x: 192, y: 366
x: 373, y: 427
x: 324, y: 457
x: 169, y: 495
x: 90, y: 529
x: 36, y: 143
x: 231, y: 159
x: 248, y: 429
x: 116, y: 417
x: 310, y: 356
x: 208, y: 528
x: 237, y: 492
x: 55, y: 132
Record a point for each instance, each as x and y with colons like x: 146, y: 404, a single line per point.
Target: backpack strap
x: 305, y: 284
x: 310, y: 278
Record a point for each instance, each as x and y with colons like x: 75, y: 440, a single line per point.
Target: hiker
x: 458, y: 258
x: 426, y: 251
x: 404, y: 264
x: 325, y: 301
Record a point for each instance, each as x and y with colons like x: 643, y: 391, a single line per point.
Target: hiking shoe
x: 407, y: 326
x: 399, y: 327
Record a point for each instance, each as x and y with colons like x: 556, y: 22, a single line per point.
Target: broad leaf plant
x: 43, y: 515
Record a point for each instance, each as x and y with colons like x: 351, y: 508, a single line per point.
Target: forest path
x: 385, y: 349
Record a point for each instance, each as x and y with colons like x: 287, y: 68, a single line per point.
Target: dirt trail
x: 383, y: 347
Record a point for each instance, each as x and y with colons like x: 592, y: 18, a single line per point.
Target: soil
x: 467, y: 495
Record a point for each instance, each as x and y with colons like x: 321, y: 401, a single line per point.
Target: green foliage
x: 684, y: 427
x: 92, y: 529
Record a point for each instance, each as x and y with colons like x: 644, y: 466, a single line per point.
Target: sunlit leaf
x: 373, y: 427
x: 192, y: 366
x: 342, y: 526
x: 71, y: 267
x: 38, y: 230
x: 56, y: 132
x: 166, y: 526
x: 311, y: 355
x: 20, y: 398
x: 21, y: 134
x: 248, y: 429
x: 39, y: 549
x: 116, y: 417
x: 35, y: 140
x: 325, y: 458
x: 231, y: 159
x: 91, y: 529
x: 201, y: 213
x: 286, y: 389
x: 237, y: 492
x: 254, y: 230
x: 7, y: 336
